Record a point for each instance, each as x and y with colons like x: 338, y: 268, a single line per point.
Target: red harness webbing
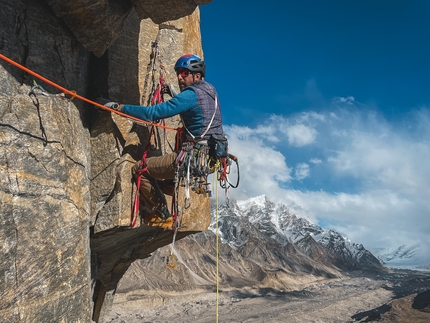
x: 156, y: 99
x: 158, y: 96
x: 142, y: 168
x: 224, y: 172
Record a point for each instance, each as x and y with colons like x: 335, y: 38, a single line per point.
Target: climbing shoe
x: 157, y: 222
x: 160, y: 218
x: 163, y: 213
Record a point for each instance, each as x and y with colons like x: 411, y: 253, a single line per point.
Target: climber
x: 198, y: 106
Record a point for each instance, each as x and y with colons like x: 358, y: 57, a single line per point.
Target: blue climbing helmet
x: 192, y: 63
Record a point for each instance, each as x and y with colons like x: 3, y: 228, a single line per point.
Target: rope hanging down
x: 73, y: 95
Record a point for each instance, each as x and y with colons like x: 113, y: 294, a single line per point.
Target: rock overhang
x: 96, y: 24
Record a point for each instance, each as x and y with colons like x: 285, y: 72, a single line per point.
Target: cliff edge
x: 66, y: 188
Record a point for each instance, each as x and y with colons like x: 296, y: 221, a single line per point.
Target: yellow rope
x: 216, y: 236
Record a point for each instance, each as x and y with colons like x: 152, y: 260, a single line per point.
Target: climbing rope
x: 73, y: 95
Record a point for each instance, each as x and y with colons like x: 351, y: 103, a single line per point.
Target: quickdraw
x: 171, y: 261
x: 155, y: 56
x: 157, y: 95
x: 224, y: 171
x: 192, y: 168
x: 193, y: 165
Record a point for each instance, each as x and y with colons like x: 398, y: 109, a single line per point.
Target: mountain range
x: 275, y: 221
x: 260, y: 218
x: 415, y: 256
x: 262, y: 245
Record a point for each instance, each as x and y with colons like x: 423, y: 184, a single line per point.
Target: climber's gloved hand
x: 168, y: 89
x: 165, y: 89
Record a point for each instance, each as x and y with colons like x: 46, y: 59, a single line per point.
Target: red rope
x: 156, y: 98
x: 136, y: 205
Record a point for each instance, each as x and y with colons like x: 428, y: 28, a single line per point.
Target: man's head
x: 189, y: 69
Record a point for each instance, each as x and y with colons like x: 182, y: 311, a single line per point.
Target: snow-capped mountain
x: 263, y: 245
x: 260, y: 218
x: 416, y: 256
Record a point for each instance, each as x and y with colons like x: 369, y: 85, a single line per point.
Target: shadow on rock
x: 422, y: 302
x: 372, y: 315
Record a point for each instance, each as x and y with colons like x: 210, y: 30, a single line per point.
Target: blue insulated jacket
x: 195, y: 104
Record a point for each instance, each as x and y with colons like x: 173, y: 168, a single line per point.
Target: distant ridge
x: 276, y: 222
x: 415, y: 256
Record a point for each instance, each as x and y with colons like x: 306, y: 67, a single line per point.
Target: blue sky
x: 327, y: 105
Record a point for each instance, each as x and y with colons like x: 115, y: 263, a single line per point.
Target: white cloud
x: 300, y: 129
x: 300, y: 135
x: 386, y: 156
x: 374, y: 175
x: 302, y: 171
x: 348, y: 100
x: 262, y: 168
x: 261, y: 133
x: 315, y: 161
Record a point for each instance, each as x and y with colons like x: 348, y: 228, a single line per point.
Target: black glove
x: 168, y: 89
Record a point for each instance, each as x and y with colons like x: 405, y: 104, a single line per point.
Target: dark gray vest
x: 206, y: 94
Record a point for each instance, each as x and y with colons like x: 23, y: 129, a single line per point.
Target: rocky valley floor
x: 400, y: 296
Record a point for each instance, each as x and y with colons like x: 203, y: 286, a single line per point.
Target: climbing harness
x: 194, y: 161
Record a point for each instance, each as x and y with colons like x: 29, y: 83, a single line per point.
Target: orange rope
x: 75, y: 95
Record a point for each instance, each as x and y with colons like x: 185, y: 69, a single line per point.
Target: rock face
x: 66, y: 186
x: 97, y: 24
